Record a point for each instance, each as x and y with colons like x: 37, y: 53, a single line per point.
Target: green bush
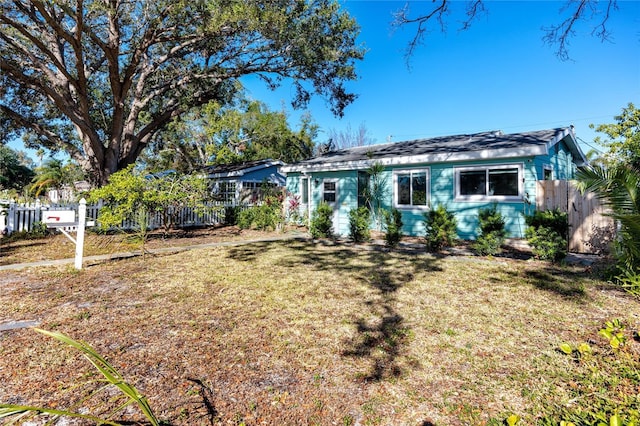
x: 393, y: 227
x: 554, y: 219
x: 266, y: 216
x: 322, y: 221
x: 440, y: 228
x: 492, y: 232
x: 547, y: 233
x: 359, y: 224
x: 231, y: 214
x: 546, y: 243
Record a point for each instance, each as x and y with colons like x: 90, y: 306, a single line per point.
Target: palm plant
x: 619, y: 188
x: 111, y: 378
x: 49, y: 175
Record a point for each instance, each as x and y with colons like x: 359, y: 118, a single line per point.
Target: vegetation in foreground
x: 297, y: 333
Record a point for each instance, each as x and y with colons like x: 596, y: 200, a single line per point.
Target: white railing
x: 22, y: 217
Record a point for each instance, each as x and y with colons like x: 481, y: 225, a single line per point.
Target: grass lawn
x: 301, y: 333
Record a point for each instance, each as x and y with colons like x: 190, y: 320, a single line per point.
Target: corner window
x: 411, y: 188
x: 496, y: 182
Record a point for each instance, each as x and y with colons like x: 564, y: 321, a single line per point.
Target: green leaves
x: 566, y: 348
x: 614, y: 333
x: 107, y: 89
x: 111, y: 376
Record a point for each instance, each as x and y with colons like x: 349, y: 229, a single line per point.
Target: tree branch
x: 48, y: 138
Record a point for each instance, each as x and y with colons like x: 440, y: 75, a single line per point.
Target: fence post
x: 11, y: 218
x: 82, y: 218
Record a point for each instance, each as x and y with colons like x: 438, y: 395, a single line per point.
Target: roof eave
x: 412, y: 160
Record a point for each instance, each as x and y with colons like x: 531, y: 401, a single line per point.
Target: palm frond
x: 111, y: 377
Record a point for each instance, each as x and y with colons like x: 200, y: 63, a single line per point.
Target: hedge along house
x: 241, y: 183
x: 464, y: 173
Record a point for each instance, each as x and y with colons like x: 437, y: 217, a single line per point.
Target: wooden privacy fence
x: 22, y: 217
x: 590, y: 229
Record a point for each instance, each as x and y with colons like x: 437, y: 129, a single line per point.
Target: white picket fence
x: 16, y: 217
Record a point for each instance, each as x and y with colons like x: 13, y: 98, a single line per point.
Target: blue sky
x: 499, y: 74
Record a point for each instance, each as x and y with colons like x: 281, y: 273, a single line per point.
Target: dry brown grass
x: 302, y: 333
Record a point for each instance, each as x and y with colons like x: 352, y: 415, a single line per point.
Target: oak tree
x: 100, y: 79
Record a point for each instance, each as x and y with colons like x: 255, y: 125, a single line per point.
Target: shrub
x: 266, y: 216
x: 359, y: 224
x: 440, y: 228
x: 546, y: 243
x: 554, y: 219
x: 547, y: 233
x: 322, y: 221
x: 492, y: 232
x: 231, y: 214
x: 393, y: 226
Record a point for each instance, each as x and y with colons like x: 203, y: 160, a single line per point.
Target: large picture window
x: 411, y: 188
x: 498, y: 182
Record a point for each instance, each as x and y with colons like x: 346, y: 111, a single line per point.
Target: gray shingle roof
x: 492, y: 144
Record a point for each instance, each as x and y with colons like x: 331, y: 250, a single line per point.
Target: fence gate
x: 590, y: 230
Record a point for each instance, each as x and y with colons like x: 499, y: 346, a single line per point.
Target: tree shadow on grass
x: 381, y: 334
x: 555, y: 281
x: 560, y: 281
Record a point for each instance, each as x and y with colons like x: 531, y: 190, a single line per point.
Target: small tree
x: 133, y: 196
x: 321, y: 221
x: 377, y: 191
x: 359, y: 224
x: 440, y: 228
x: 393, y: 226
x: 492, y: 231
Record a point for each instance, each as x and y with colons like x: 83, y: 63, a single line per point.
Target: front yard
x: 302, y: 333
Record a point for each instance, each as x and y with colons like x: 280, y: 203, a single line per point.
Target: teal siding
x: 559, y: 161
x: 441, y: 189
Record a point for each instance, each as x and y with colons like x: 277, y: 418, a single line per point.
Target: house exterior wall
x: 442, y: 190
x: 269, y: 173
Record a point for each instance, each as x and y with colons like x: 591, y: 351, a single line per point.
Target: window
x: 548, y: 173
x: 329, y: 191
x: 364, y: 193
x: 411, y: 188
x: 500, y: 182
x: 304, y: 190
x: 224, y: 191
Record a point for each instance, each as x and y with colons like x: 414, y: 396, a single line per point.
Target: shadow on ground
x: 381, y: 334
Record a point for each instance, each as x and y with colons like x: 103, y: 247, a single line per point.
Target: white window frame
x: 304, y: 187
x: 396, y: 192
x: 487, y: 168
x: 335, y: 191
x: 547, y: 168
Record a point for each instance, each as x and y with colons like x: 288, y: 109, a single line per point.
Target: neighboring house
x: 464, y: 173
x: 241, y: 183
x: 68, y: 193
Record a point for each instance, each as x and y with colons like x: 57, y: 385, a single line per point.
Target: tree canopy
x: 622, y: 137
x: 100, y: 79
x: 617, y: 182
x: 13, y: 173
x: 223, y: 134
